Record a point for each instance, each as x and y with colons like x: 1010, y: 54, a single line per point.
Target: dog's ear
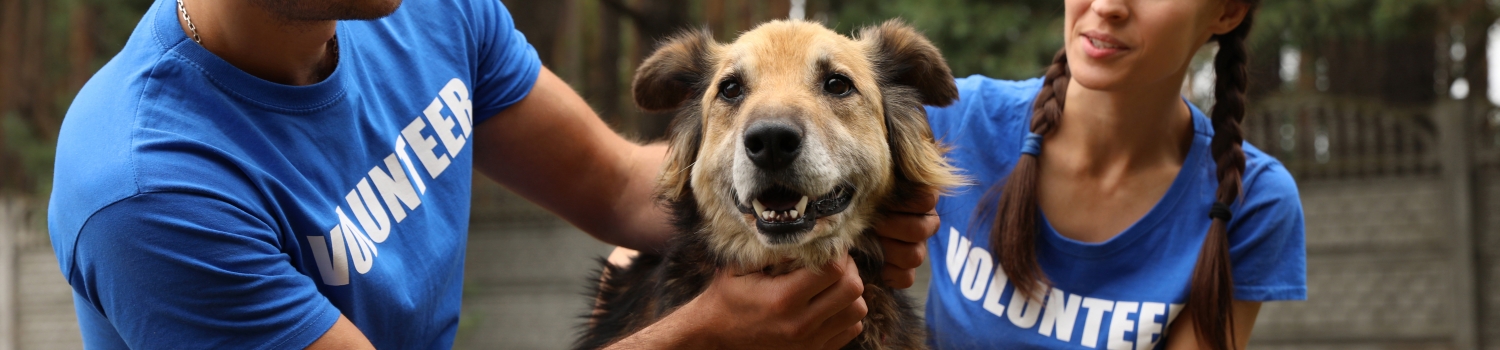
x: 676, y: 72
x: 904, y: 57
x: 686, y: 132
x: 672, y: 78
x: 912, y: 73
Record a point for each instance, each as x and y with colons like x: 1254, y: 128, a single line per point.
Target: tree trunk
x: 538, y: 20
x: 657, y: 20
x: 603, y: 87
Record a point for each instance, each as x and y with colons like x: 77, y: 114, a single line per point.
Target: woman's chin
x: 1099, y: 78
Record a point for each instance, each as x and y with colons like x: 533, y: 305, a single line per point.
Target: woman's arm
x: 1182, y: 337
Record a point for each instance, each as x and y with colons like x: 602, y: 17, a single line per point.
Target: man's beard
x: 312, y: 10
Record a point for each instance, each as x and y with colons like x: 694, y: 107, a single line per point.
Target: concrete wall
x: 1377, y: 269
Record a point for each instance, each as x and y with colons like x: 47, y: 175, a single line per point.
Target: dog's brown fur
x: 874, y: 140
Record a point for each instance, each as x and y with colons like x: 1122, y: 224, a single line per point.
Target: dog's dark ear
x: 686, y: 132
x: 912, y: 73
x: 904, y: 57
x: 672, y: 78
x: 918, y: 157
x: 676, y: 72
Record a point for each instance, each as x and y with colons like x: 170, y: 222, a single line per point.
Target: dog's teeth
x: 766, y: 215
x: 759, y: 208
x: 793, y: 214
x: 801, y: 205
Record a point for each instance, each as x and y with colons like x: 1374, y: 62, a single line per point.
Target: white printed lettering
x: 334, y: 272
x: 422, y: 146
x: 976, y: 274
x: 1172, y: 311
x: 1097, y: 308
x: 1024, y: 311
x: 364, y: 210
x: 395, y: 188
x: 1119, y: 323
x: 958, y: 251
x: 1061, y: 314
x: 360, y: 247
x: 456, y: 96
x: 1147, y: 326
x: 443, y: 127
x: 410, y: 170
x: 997, y: 286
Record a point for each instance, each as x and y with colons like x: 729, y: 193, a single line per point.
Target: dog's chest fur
x: 653, y: 285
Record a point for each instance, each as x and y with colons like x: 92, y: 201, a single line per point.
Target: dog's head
x: 789, y: 139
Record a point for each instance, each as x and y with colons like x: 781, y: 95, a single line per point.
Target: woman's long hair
x: 1013, y: 236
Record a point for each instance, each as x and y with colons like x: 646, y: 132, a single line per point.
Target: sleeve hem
x: 311, y: 329
x: 1273, y: 293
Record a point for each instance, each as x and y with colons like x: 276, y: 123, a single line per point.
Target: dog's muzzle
x: 782, y: 213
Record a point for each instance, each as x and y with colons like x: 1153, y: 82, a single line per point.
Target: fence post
x: 12, y: 221
x: 1455, y: 151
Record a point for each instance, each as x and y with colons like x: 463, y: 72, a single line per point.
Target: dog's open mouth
x: 781, y: 212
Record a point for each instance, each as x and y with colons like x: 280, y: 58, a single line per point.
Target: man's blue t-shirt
x: 197, y: 206
x: 1117, y: 294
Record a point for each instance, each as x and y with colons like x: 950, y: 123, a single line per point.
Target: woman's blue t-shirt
x: 1118, y: 294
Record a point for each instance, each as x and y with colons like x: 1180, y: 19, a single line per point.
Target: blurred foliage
x: 1302, y: 21
x: 1016, y: 39
x: 34, y: 153
x: 1003, y: 39
x: 52, y: 46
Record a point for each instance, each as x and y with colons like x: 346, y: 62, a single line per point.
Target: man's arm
x: 553, y: 150
x: 342, y: 336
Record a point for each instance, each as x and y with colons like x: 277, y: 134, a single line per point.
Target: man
x: 254, y: 173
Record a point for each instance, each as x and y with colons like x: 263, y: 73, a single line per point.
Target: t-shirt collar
x: 233, y: 81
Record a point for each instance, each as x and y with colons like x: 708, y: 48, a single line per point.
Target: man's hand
x: 903, y: 236
x: 798, y: 310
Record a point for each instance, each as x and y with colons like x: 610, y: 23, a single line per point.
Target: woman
x: 1108, y: 211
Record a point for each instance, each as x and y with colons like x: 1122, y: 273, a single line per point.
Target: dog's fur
x: 873, y: 142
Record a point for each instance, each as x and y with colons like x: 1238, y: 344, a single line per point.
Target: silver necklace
x: 183, y: 9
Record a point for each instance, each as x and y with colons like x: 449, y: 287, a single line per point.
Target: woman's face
x: 1129, y: 44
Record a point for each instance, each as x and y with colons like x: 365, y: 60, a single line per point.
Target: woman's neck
x: 1112, y: 133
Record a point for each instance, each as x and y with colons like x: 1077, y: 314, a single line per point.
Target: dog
x: 786, y: 144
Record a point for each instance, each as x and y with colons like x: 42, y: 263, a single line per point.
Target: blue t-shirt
x: 1117, y: 294
x: 197, y: 206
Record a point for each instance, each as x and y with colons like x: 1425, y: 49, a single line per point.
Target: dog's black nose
x: 772, y: 145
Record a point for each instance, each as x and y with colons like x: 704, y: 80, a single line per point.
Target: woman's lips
x: 1100, y: 46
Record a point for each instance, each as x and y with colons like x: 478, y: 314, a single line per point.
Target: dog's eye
x: 731, y: 90
x: 838, y: 85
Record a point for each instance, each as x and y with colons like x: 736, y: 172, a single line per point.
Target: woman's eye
x: 838, y: 85
x: 731, y: 90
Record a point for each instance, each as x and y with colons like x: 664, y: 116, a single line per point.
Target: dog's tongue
x: 779, y: 199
